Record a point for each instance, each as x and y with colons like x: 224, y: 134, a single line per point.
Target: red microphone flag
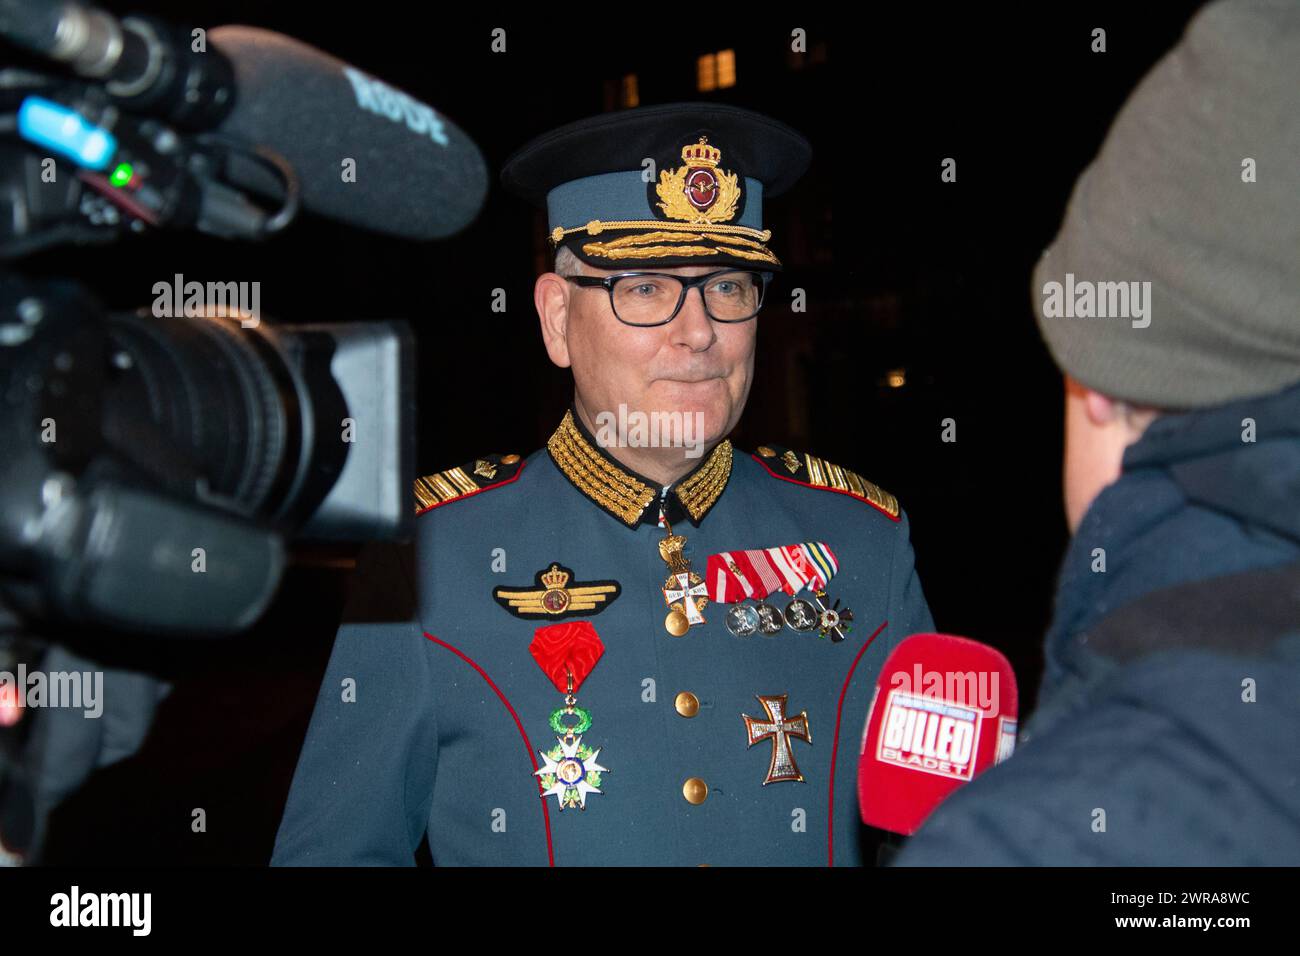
x: 944, y: 711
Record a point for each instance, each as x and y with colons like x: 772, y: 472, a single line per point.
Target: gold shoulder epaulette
x: 478, y: 475
x: 806, y: 469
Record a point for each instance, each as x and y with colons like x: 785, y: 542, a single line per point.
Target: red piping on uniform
x: 471, y: 494
x: 835, y: 748
x: 838, y: 491
x: 546, y: 816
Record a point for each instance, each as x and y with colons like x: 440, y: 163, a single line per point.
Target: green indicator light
x: 121, y: 175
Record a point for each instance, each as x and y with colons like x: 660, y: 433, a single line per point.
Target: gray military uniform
x: 450, y: 708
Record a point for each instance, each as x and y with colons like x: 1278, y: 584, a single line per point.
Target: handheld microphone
x: 944, y: 711
x: 412, y: 174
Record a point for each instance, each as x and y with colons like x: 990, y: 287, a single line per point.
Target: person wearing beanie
x: 1169, y: 706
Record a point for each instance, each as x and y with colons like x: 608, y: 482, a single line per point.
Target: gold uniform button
x: 766, y: 452
x: 695, y: 790
x: 509, y: 459
x: 687, y: 704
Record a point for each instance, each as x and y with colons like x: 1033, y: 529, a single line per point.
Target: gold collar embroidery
x: 624, y: 495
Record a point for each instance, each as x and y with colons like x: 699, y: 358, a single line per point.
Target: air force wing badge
x: 554, y: 597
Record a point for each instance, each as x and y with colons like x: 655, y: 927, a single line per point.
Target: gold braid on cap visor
x: 739, y: 241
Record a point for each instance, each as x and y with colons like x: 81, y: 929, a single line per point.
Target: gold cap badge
x: 698, y: 191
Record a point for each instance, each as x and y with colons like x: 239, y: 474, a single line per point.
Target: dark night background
x: 902, y: 272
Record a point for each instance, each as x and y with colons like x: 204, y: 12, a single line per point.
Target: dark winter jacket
x: 1168, y: 725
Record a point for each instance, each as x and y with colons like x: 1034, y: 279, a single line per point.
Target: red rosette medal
x: 566, y: 653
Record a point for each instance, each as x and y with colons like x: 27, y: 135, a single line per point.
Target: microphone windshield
x: 365, y: 153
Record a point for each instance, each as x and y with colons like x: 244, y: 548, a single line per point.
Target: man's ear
x: 551, y: 297
x: 1102, y: 411
x: 1099, y: 409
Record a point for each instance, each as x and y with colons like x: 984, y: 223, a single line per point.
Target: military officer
x: 629, y: 647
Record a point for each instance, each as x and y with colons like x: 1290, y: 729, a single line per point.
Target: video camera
x: 156, y: 462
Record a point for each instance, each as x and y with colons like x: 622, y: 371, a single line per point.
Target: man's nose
x: 693, y: 327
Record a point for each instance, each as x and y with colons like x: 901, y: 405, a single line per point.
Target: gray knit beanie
x: 1187, y: 224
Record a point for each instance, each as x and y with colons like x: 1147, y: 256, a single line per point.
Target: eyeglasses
x: 655, y: 298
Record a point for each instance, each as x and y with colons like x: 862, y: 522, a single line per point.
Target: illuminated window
x: 726, y: 68
x: 630, y: 95
x: 715, y: 71
x: 706, y: 73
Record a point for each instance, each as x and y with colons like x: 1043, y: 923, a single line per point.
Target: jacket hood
x: 1241, y: 460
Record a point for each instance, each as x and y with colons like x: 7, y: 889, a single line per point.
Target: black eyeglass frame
x: 687, y: 283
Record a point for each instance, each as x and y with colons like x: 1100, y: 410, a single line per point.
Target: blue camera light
x: 65, y: 131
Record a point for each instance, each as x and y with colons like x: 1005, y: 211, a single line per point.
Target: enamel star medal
x: 566, y: 653
x: 684, y: 591
x: 832, y: 620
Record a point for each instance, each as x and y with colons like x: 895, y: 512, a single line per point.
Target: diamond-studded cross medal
x: 780, y: 729
x: 566, y: 654
x: 684, y: 591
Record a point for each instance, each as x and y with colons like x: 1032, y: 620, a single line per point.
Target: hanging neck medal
x: 566, y: 653
x: 684, y: 591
